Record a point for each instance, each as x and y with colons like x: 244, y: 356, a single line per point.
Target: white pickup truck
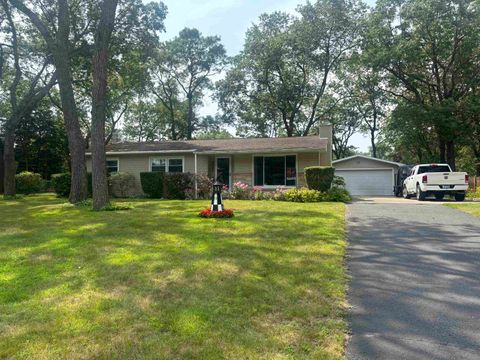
x: 437, y: 180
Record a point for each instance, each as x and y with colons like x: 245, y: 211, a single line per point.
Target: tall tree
x: 56, y: 32
x: 429, y: 49
x: 25, y: 92
x: 195, y: 59
x: 99, y: 97
x: 285, y: 69
x: 370, y: 101
x: 166, y: 89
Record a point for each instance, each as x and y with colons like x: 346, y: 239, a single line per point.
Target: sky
x: 228, y: 19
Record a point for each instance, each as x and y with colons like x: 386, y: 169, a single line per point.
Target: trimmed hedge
x: 152, y: 184
x: 319, y: 177
x: 122, y: 185
x: 61, y: 184
x: 174, y: 186
x: 28, y: 182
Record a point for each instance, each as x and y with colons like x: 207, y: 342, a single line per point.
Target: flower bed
x: 207, y: 213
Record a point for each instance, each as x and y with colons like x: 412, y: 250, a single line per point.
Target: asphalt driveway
x: 415, y: 287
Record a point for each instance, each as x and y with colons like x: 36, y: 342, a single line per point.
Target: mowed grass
x: 157, y: 282
x: 470, y: 208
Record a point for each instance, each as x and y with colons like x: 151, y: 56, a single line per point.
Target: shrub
x: 204, y: 186
x: 207, y: 213
x: 152, y: 184
x: 241, y: 191
x: 46, y: 185
x: 122, y: 185
x: 303, y: 195
x: 177, y: 185
x: 338, y: 182
x: 259, y: 194
x: 473, y: 195
x: 338, y: 195
x: 61, y: 184
x: 28, y: 182
x: 319, y: 177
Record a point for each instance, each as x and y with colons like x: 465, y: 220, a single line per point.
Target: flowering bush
x: 207, y: 213
x: 259, y: 194
x: 241, y: 191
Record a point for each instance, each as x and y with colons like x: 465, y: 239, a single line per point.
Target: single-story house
x: 263, y: 162
x: 366, y: 175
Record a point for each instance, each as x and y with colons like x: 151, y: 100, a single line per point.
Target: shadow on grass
x: 159, y: 281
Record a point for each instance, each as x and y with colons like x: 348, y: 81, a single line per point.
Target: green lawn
x: 471, y: 208
x: 157, y: 282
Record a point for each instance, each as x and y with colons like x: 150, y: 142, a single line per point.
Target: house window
x: 166, y: 165
x: 275, y: 170
x: 112, y: 166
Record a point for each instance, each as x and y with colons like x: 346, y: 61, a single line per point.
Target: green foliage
x: 176, y: 185
x: 338, y: 182
x: 122, y: 185
x: 28, y: 182
x: 204, y: 186
x: 152, y: 184
x: 283, y: 71
x: 319, y: 177
x: 41, y: 142
x: 61, y: 184
x: 336, y: 194
x: 303, y: 195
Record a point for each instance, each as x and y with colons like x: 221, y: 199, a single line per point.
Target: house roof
x: 247, y: 145
x: 368, y: 158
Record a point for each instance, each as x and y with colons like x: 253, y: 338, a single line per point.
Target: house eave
x: 215, y: 152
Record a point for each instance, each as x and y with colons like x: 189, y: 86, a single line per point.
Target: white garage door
x: 368, y: 182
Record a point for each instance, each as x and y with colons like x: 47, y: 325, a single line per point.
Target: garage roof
x: 368, y: 158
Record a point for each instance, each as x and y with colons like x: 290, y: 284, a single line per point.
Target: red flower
x: 207, y: 213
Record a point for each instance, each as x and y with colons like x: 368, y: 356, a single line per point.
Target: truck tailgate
x: 453, y: 178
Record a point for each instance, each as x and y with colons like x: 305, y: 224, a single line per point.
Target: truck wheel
x: 420, y: 194
x: 439, y: 196
x: 405, y: 193
x: 459, y: 196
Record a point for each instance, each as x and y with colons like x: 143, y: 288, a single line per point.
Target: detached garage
x: 367, y: 176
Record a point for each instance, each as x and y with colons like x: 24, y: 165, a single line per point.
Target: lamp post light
x: 217, y: 204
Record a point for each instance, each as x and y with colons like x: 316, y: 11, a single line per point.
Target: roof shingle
x: 223, y: 146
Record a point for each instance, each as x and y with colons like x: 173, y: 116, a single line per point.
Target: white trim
x: 114, y: 159
x: 166, y: 158
x: 230, y: 177
x: 274, y: 155
x: 272, y: 150
x: 367, y: 158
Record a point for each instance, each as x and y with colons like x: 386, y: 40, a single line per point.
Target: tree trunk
x: 451, y: 155
x: 441, y: 151
x: 374, y: 146
x: 10, y: 166
x: 76, y: 143
x: 99, y: 94
x: 189, y: 117
x: 2, y: 172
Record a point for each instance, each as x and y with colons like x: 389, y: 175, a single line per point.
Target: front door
x: 223, y: 170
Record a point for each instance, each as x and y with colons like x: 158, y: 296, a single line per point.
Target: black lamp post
x: 217, y: 204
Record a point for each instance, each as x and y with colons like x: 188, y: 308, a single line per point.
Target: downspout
x: 195, y: 180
